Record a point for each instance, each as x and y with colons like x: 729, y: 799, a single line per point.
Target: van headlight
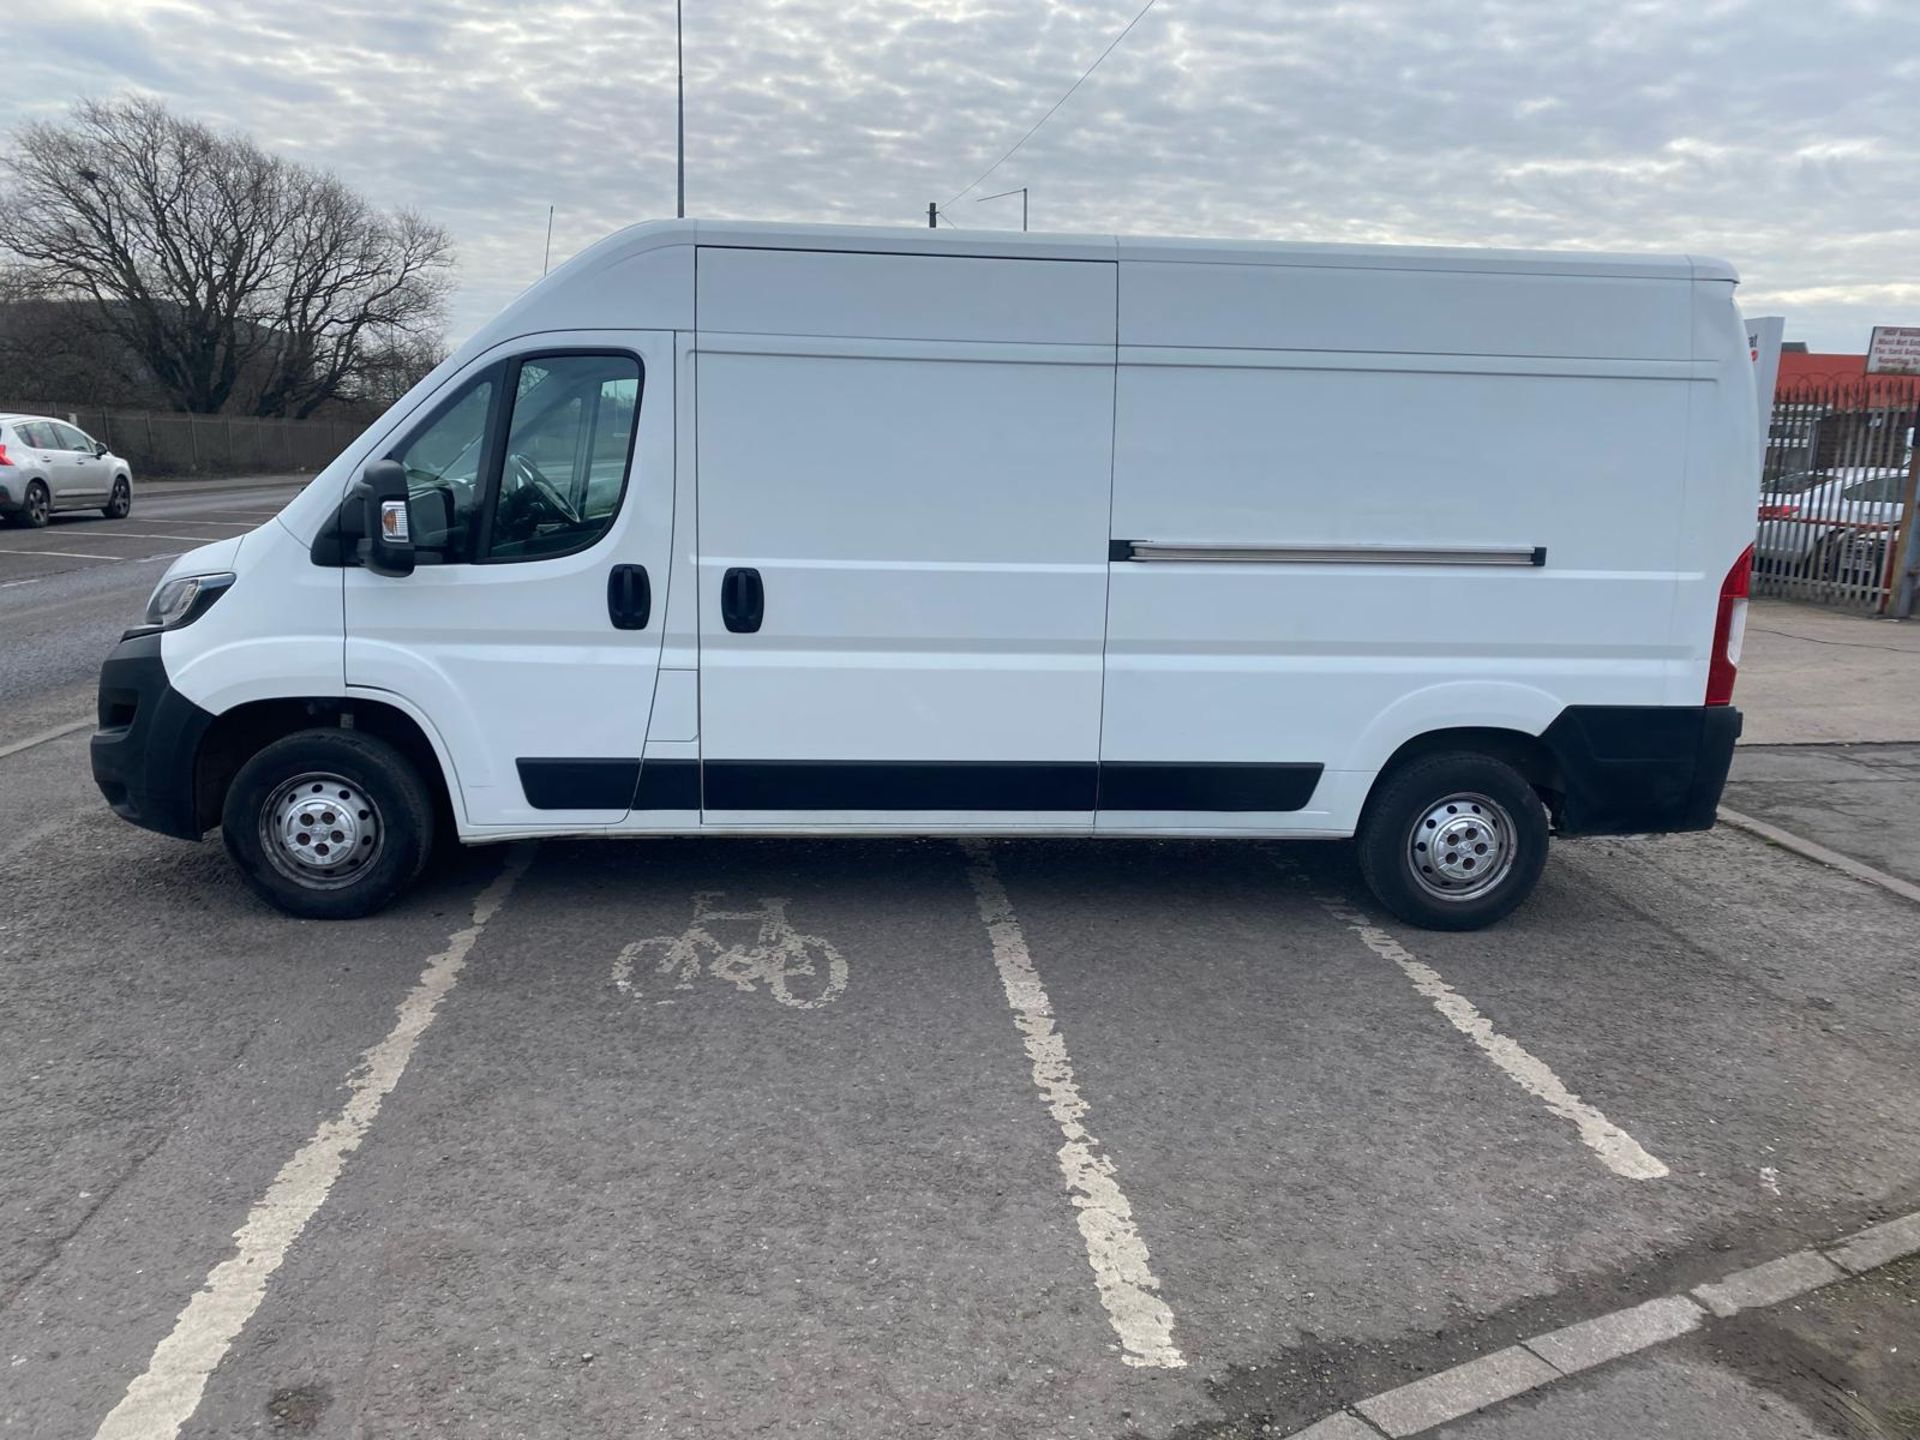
x: 184, y: 599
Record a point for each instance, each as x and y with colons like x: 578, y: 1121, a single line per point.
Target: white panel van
x: 727, y: 528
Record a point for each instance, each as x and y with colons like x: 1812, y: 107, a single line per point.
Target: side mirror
x: 99, y: 451
x: 387, y: 546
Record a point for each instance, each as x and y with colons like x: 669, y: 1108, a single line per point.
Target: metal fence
x: 164, y: 442
x: 1837, y: 499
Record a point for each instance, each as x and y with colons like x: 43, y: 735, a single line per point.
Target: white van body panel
x: 951, y: 458
x: 285, y: 639
x: 906, y: 619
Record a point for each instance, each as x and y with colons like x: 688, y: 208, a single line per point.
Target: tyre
x: 37, y: 506
x: 1452, y: 841
x: 328, y: 824
x: 120, y: 504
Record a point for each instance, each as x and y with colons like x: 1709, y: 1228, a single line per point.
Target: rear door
x: 902, y: 540
x: 48, y: 458
x: 86, y: 474
x: 528, y: 636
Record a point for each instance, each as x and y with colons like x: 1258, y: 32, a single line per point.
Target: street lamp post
x: 680, y: 111
x: 1021, y: 192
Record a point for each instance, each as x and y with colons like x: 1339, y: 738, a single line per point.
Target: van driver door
x: 528, y: 636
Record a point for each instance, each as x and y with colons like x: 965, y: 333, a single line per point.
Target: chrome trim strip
x: 1199, y: 554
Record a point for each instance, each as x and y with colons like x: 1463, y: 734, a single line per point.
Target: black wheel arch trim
x: 1640, y: 769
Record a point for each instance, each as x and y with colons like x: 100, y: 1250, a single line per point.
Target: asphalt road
x: 491, y: 1164
x: 68, y: 590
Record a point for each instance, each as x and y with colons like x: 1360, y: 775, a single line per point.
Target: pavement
x: 1812, y: 676
x: 1148, y: 1141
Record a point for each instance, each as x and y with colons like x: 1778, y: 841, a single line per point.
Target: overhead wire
x: 1112, y: 45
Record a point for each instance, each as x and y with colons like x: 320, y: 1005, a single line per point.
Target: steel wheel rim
x: 1462, y: 847
x: 321, y: 831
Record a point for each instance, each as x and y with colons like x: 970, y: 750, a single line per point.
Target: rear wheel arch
x: 1527, y: 753
x: 238, y: 734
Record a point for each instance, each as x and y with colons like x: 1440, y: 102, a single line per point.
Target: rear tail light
x: 1729, y: 630
x: 3, y: 456
x: 1778, y: 512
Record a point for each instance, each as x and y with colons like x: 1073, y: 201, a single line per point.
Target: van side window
x: 543, y: 478
x: 568, y: 444
x: 444, y: 475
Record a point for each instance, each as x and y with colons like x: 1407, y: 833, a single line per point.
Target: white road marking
x: 149, y: 535
x: 63, y: 554
x: 44, y: 736
x: 1122, y: 1271
x: 164, y: 1398
x: 801, y: 971
x: 1617, y: 1150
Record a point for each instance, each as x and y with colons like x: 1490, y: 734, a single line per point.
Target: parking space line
x: 165, y: 1395
x: 44, y: 736
x: 63, y: 554
x: 1122, y: 1271
x: 1617, y: 1150
x: 152, y: 535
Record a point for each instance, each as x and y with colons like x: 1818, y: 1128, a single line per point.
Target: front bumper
x: 1641, y: 769
x: 145, y: 751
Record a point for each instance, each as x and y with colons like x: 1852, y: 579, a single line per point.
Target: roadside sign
x: 1894, y: 350
x: 1763, y: 344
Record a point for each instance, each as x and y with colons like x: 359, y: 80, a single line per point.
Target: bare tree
x: 231, y: 273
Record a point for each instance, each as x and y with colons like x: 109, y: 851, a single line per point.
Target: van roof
x: 656, y: 234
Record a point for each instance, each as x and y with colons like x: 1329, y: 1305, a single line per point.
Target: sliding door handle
x: 743, y: 601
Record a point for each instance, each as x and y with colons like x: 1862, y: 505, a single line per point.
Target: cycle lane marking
x: 1122, y: 1268
x: 777, y: 956
x: 1617, y: 1150
x: 164, y: 1396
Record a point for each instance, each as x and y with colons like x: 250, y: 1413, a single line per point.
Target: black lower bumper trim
x: 1640, y: 769
x: 145, y: 751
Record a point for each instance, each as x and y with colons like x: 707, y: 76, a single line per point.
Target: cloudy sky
x: 1782, y: 134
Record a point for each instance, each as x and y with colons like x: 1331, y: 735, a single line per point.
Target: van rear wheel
x: 1453, y: 841
x: 328, y: 824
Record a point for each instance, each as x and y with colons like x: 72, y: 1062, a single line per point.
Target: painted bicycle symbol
x: 803, y: 971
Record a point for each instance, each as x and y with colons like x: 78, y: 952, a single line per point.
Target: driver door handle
x: 629, y: 597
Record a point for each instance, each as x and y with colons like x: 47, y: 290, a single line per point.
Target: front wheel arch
x: 237, y: 735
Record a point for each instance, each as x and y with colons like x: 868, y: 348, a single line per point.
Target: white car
x: 1826, y: 522
x: 48, y: 465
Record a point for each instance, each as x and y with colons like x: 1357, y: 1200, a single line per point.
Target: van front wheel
x: 1453, y: 841
x: 328, y: 824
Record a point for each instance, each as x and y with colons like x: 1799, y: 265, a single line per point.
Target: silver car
x: 1824, y: 522
x: 48, y: 465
